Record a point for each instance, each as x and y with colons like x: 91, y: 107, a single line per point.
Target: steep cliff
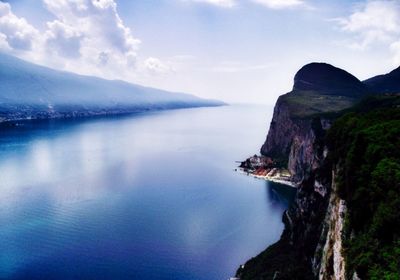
x: 309, y: 135
x: 318, y: 88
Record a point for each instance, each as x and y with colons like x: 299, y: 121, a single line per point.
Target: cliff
x: 315, y: 132
x: 318, y: 88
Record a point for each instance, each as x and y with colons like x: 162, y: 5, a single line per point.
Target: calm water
x: 151, y: 196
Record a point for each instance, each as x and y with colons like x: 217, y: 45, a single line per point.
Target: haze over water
x: 149, y: 196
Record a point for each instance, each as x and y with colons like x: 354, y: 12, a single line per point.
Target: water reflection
x: 142, y: 197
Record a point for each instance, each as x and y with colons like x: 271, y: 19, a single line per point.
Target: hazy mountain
x: 32, y: 91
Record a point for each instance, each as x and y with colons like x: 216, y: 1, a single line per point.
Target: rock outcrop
x: 328, y: 260
x: 318, y: 88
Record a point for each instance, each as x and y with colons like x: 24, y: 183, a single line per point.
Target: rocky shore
x: 265, y: 168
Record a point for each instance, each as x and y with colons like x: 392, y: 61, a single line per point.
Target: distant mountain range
x: 30, y: 91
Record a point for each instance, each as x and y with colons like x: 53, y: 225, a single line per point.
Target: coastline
x: 13, y: 118
x: 275, y: 179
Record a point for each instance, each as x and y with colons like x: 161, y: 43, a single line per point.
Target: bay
x: 146, y: 196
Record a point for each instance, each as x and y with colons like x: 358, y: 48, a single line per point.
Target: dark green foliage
x: 367, y: 148
x: 280, y: 261
x: 367, y: 104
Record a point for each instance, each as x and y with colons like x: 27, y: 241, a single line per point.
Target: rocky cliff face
x: 290, y: 140
x: 304, y: 250
x: 284, y: 131
x: 328, y: 261
x: 318, y: 88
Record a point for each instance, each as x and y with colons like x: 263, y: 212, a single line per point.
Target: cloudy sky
x: 233, y: 50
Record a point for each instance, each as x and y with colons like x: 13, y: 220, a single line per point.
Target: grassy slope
x: 303, y: 104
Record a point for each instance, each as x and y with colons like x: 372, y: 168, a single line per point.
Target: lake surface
x: 149, y: 196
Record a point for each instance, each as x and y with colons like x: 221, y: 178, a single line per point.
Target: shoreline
x: 14, y: 118
x: 275, y: 179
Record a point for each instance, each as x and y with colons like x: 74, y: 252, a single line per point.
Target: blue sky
x: 234, y: 50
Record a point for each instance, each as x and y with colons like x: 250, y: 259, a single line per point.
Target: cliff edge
x: 318, y: 88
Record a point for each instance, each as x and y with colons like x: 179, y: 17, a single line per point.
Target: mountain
x: 32, y: 91
x: 318, y: 88
x: 387, y: 83
x: 326, y: 79
x: 339, y: 144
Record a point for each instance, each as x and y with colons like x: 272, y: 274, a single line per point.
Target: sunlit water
x: 150, y: 196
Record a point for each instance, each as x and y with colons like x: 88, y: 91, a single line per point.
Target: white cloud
x: 4, y: 46
x: 395, y: 48
x: 86, y: 36
x: 16, y: 33
x: 156, y: 66
x: 375, y: 22
x: 235, y: 67
x: 94, y: 29
x: 281, y: 4
x: 271, y: 4
x: 62, y: 39
x: 220, y: 3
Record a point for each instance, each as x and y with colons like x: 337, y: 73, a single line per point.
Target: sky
x: 238, y: 51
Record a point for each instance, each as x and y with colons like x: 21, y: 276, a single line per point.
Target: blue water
x: 150, y: 196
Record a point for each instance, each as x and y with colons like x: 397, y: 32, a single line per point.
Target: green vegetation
x: 366, y: 146
x: 303, y: 104
x: 279, y: 261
